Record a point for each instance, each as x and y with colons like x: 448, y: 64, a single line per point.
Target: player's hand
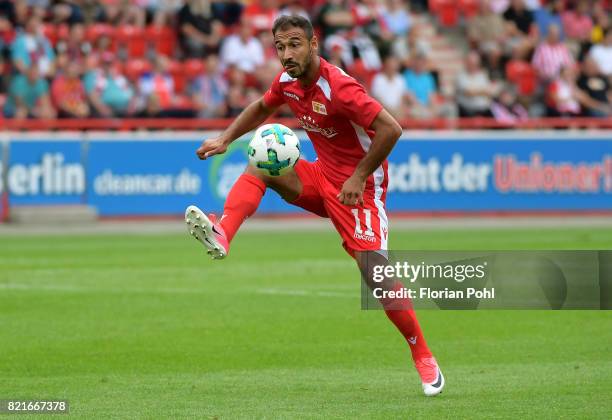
x: 211, y: 147
x: 351, y: 193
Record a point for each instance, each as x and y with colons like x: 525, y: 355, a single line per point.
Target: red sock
x: 401, y: 313
x: 242, y: 201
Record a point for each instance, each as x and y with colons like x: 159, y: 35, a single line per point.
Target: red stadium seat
x: 193, y: 68
x: 63, y: 32
x: 469, y: 8
x: 162, y: 39
x: 133, y: 39
x: 97, y: 30
x: 50, y: 32
x: 183, y: 102
x: 361, y: 73
x: 135, y: 68
x: 435, y: 6
x: 176, y: 70
x: 522, y: 75
x: 448, y: 14
x: 515, y: 69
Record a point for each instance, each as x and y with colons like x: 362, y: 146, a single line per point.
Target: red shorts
x: 362, y: 227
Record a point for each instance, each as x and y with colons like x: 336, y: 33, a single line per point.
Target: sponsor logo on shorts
x: 363, y: 237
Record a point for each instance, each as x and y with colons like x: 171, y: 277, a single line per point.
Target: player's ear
x: 314, y: 43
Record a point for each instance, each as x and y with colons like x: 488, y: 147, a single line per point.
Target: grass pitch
x: 148, y: 327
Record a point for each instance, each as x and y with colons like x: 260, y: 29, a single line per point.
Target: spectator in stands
x: 596, y: 92
x: 108, y: 90
x: 31, y: 47
x: 562, y: 95
x: 7, y: 35
x: 421, y: 87
x: 162, y: 12
x: 369, y: 18
x: 200, y: 33
x: 547, y: 15
x: 29, y: 96
x: 389, y: 88
x: 68, y: 92
x: 7, y: 9
x: 261, y: 14
x: 76, y: 47
x: 486, y: 32
x: 397, y: 18
x: 242, y: 49
x: 267, y: 71
x: 120, y: 13
x: 506, y: 108
x: 236, y: 101
x: 601, y: 22
x: 520, y: 27
x: 67, y: 11
x: 577, y: 23
x: 335, y: 17
x: 22, y: 13
x: 551, y: 55
x: 156, y: 89
x: 474, y: 89
x: 228, y: 11
x: 519, y: 17
x: 415, y: 42
x: 294, y: 7
x: 38, y: 8
x: 602, y: 53
x: 209, y: 90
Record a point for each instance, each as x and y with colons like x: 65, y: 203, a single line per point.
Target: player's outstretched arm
x: 252, y: 116
x: 387, y: 132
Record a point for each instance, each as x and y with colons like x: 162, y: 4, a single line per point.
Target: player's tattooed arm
x: 387, y: 132
x: 250, y: 118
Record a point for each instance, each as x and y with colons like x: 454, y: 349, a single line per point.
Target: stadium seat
x: 63, y: 32
x: 97, y: 30
x: 361, y: 73
x: 135, y: 68
x: 177, y: 71
x: 133, y: 39
x: 162, y: 39
x: 522, y: 75
x: 50, y: 32
x: 193, y: 68
x: 448, y: 13
x: 469, y: 8
x: 435, y: 6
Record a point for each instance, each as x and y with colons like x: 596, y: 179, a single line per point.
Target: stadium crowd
x: 209, y: 59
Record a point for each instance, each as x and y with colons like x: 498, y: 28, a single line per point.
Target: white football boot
x: 206, y: 230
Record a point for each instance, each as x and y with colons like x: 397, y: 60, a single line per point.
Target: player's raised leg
x: 241, y: 203
x: 402, y: 314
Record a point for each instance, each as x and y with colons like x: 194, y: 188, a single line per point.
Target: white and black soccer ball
x: 274, y: 149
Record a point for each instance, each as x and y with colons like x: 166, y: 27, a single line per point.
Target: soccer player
x: 352, y: 135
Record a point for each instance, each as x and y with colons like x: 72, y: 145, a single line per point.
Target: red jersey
x: 336, y: 112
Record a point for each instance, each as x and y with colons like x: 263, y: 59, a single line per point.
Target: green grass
x: 147, y: 327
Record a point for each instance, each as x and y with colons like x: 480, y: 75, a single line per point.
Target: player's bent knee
x: 288, y: 185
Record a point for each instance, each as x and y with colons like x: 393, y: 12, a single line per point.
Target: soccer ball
x: 274, y: 149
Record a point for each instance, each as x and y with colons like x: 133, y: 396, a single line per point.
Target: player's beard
x: 300, y: 69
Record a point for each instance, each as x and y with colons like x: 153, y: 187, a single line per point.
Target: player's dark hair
x: 293, y: 21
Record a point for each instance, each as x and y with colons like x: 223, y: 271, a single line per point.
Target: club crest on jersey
x: 319, y: 108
